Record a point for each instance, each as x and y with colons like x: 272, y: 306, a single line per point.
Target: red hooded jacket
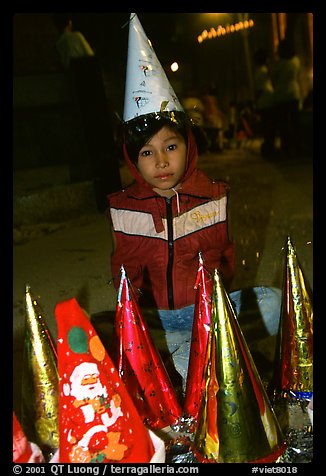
x: 158, y: 240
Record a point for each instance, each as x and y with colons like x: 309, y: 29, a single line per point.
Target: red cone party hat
x: 22, y: 450
x: 199, y: 340
x: 39, y: 380
x: 97, y: 419
x: 147, y: 87
x: 293, y: 368
x: 236, y: 422
x: 140, y: 365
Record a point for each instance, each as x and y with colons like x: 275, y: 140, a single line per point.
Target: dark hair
x: 286, y: 49
x: 260, y: 56
x: 138, y: 131
x: 61, y: 20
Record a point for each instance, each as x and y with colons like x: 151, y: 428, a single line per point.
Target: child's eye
x: 145, y: 153
x: 172, y: 147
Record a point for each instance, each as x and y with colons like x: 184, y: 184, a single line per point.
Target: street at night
x: 82, y: 133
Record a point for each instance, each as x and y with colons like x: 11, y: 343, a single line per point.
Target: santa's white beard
x: 83, y: 392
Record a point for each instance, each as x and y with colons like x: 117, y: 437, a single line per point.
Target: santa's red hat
x: 98, y: 421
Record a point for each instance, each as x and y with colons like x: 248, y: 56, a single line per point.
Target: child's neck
x: 167, y: 193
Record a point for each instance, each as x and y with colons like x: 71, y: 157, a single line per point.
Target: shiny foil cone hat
x: 147, y: 88
x: 140, y: 365
x: 293, y: 366
x: 236, y: 423
x: 199, y: 340
x: 97, y: 419
x: 39, y: 416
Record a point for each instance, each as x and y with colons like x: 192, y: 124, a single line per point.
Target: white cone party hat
x: 147, y: 87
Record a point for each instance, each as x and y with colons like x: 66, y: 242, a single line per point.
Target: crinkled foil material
x: 140, y: 365
x: 236, y: 421
x: 39, y: 380
x: 293, y: 367
x: 199, y: 339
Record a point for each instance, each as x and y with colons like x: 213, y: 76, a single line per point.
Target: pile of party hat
x: 140, y: 364
x: 236, y: 422
x: 102, y: 409
x: 87, y: 411
x: 39, y: 380
x: 293, y: 366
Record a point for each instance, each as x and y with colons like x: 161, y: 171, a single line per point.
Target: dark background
x: 47, y: 129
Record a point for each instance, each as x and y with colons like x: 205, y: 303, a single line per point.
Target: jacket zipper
x: 169, y: 280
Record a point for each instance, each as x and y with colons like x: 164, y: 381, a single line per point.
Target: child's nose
x: 162, y: 160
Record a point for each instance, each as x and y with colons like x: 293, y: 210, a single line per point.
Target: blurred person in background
x: 264, y: 99
x: 214, y: 121
x: 71, y: 43
x: 287, y: 95
x: 232, y: 120
x: 194, y: 108
x: 80, y: 62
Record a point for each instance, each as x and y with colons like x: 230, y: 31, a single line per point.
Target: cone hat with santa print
x: 236, y: 423
x: 199, y: 340
x: 293, y: 364
x: 140, y: 365
x: 98, y: 420
x: 147, y: 88
x: 39, y: 415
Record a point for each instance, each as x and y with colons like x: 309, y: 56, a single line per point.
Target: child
x: 170, y: 214
x: 172, y: 211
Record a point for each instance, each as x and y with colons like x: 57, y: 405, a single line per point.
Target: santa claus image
x: 93, y: 413
x: 98, y: 421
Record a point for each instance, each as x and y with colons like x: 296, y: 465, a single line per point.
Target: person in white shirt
x: 84, y: 72
x: 264, y: 98
x: 287, y: 95
x: 71, y: 43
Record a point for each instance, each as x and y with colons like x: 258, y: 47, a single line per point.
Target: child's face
x: 162, y: 161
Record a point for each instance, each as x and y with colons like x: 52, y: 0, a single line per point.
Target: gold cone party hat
x: 293, y: 365
x: 147, y: 87
x: 39, y: 380
x: 236, y: 423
